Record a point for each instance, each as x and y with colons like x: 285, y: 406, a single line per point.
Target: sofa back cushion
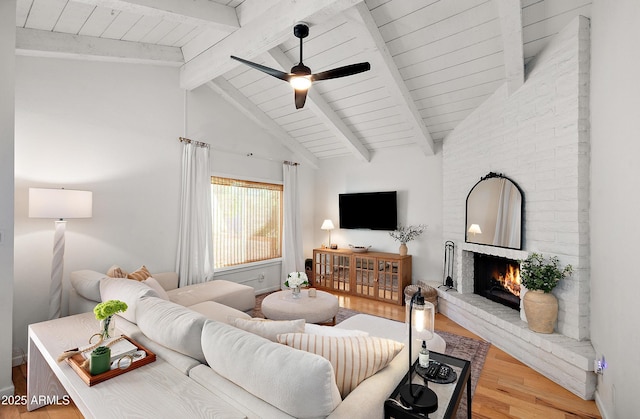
x: 354, y: 358
x: 268, y: 329
x: 298, y: 383
x: 171, y: 325
x: 125, y: 290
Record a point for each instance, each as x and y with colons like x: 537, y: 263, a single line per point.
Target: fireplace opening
x: 497, y: 279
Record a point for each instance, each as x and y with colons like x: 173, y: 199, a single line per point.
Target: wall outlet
x: 599, y: 365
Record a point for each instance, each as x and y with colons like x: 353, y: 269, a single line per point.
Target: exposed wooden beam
x: 35, y: 42
x: 244, y: 105
x: 510, y: 12
x: 194, y: 12
x: 323, y: 110
x: 259, y: 35
x: 249, y: 10
x: 386, y: 68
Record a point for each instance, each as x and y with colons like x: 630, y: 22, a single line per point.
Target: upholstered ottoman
x: 319, y: 309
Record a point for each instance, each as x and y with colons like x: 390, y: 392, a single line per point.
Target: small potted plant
x: 405, y: 235
x: 104, y: 312
x: 540, y: 277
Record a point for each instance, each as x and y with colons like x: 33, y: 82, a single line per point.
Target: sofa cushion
x: 232, y: 294
x: 140, y: 274
x: 317, y: 329
x: 153, y: 283
x: 171, y: 325
x: 218, y: 312
x: 354, y: 358
x: 281, y: 376
x: 87, y: 283
x: 269, y: 329
x: 124, y: 290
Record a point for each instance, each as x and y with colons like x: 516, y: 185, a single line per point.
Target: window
x: 247, y: 221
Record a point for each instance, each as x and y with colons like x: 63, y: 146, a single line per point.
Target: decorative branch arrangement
x: 406, y: 234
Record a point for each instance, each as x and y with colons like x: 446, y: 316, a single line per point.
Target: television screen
x: 368, y: 210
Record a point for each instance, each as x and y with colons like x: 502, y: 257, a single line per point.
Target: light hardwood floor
x: 507, y: 388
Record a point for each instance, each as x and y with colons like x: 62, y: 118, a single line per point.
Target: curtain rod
x: 239, y: 153
x: 194, y: 142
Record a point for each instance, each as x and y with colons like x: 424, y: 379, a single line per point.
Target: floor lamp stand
x: 57, y: 267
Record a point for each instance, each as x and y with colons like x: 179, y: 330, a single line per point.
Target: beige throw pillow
x: 268, y: 329
x: 116, y: 272
x: 354, y: 358
x: 152, y: 283
x: 140, y: 274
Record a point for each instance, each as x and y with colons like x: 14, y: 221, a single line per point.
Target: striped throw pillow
x: 140, y: 275
x: 354, y: 358
x: 116, y: 272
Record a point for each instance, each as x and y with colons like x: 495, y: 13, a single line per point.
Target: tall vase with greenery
x: 405, y: 235
x: 540, y: 277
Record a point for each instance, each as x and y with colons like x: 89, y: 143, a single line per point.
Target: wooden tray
x: 77, y: 360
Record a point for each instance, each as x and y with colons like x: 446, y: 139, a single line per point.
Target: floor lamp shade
x: 58, y: 204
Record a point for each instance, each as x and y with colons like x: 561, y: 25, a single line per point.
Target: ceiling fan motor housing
x: 301, y: 30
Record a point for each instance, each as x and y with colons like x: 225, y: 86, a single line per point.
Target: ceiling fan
x: 300, y: 76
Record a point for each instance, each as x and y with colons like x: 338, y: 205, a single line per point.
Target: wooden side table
x: 449, y: 395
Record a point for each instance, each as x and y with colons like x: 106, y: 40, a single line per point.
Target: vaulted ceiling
x: 432, y: 61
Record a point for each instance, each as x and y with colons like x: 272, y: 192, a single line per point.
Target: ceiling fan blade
x: 347, y: 70
x: 300, y: 97
x: 270, y: 71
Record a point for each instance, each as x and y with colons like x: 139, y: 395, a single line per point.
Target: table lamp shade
x: 475, y: 229
x: 60, y: 203
x: 327, y: 225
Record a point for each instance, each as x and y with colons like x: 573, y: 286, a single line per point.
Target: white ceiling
x: 433, y: 61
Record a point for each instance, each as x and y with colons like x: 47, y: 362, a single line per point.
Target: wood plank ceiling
x: 433, y: 61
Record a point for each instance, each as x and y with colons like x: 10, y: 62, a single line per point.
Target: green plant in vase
x: 104, y: 312
x: 540, y: 277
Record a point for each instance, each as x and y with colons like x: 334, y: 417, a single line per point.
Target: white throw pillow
x: 316, y: 329
x: 125, y: 290
x: 268, y: 329
x: 298, y: 383
x: 354, y: 358
x: 155, y: 285
x: 171, y: 325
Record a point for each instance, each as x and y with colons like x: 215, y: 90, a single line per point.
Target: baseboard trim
x: 8, y: 391
x: 601, y: 407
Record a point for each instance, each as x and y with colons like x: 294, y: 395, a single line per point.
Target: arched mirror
x: 494, y: 212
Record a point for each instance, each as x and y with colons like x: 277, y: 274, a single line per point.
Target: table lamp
x: 474, y: 229
x: 58, y: 204
x: 328, y: 225
x: 421, y: 316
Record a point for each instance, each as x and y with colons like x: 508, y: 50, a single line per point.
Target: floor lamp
x: 58, y: 204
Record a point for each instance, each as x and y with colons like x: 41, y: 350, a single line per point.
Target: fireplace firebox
x: 497, y: 279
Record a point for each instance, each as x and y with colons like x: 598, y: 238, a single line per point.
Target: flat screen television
x: 368, y: 210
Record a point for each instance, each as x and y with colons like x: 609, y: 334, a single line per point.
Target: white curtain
x: 508, y: 220
x: 292, y: 258
x: 194, y: 262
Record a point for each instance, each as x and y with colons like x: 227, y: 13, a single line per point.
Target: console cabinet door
x: 365, y: 275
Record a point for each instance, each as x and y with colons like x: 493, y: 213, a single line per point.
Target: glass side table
x: 449, y: 395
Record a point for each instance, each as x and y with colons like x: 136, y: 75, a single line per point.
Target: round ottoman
x: 319, y: 309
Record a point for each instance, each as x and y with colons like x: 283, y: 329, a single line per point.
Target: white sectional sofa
x: 85, y: 292
x: 253, y: 376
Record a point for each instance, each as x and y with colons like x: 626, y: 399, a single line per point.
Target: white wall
x: 418, y: 181
x: 615, y: 203
x: 113, y: 129
x: 7, y: 68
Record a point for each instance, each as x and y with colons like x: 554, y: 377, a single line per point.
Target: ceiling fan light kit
x: 300, y: 76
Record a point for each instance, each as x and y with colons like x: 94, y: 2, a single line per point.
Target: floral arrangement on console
x: 105, y: 311
x: 296, y: 279
x: 408, y: 233
x: 536, y: 274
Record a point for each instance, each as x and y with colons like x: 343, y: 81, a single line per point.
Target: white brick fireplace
x: 538, y: 137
